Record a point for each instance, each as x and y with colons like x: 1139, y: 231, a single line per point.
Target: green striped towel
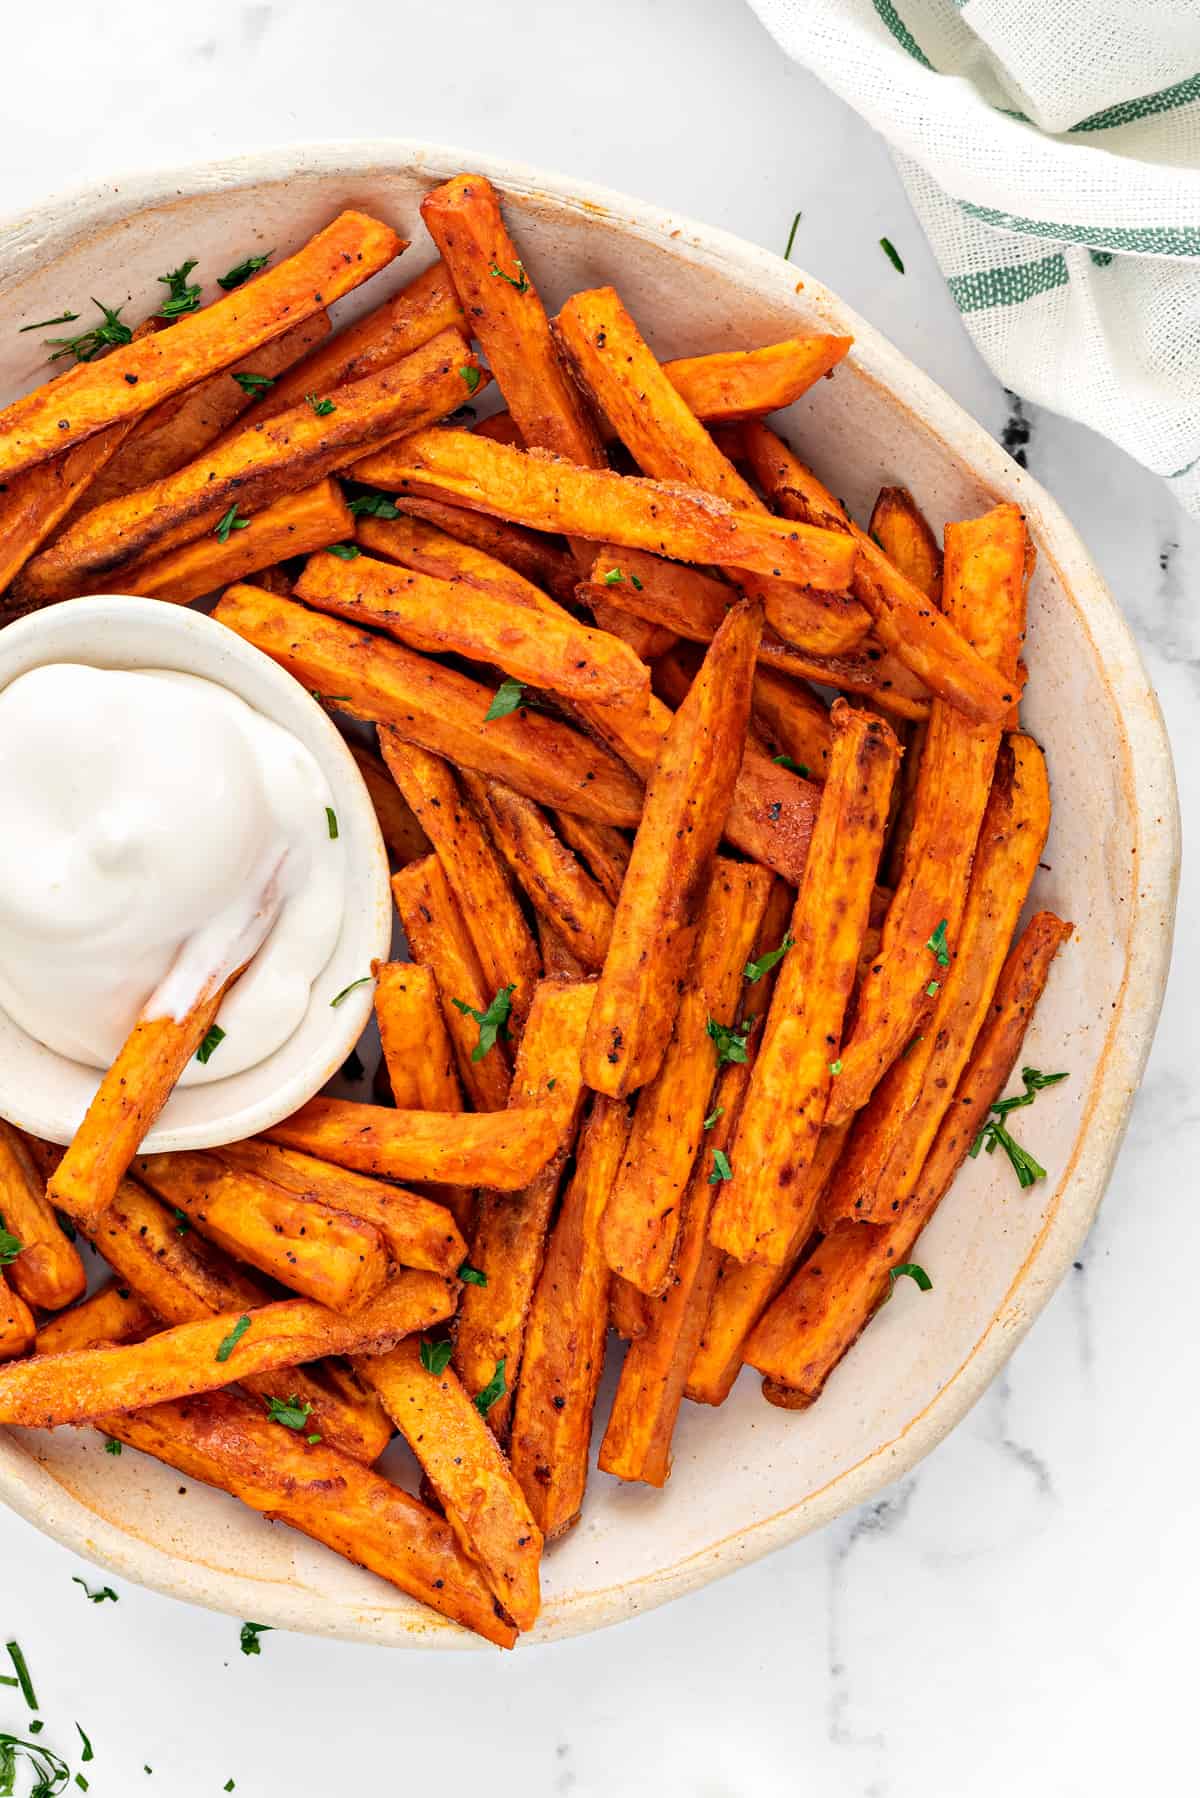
x: 1051, y: 149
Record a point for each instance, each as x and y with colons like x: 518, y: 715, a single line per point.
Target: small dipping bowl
x: 42, y: 1091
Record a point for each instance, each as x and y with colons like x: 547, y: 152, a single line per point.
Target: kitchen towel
x: 1051, y: 149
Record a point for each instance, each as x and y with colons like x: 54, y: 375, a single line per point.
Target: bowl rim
x: 168, y: 637
x: 1148, y: 777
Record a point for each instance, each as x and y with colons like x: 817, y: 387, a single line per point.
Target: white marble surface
x: 1017, y: 1613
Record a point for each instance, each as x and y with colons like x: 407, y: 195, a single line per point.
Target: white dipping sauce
x: 141, y: 816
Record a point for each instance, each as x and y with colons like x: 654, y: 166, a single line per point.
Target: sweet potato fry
x: 295, y: 525
x: 656, y: 917
x: 565, y: 1335
x: 506, y: 314
x: 495, y: 923
x: 793, y: 721
x: 418, y: 1232
x: 541, y: 559
x: 112, y: 1314
x: 504, y: 1149
x: 893, y: 1132
x: 829, y: 1302
x: 47, y: 1272
x: 510, y: 1237
x: 438, y: 937
x: 419, y: 1058
x: 604, y: 850
x: 338, y: 1260
x: 903, y: 534
x: 641, y: 1223
x: 557, y: 887
x: 403, y: 837
x: 773, y: 1190
x: 627, y: 1306
x: 437, y: 707
x: 668, y: 443
x: 18, y: 1327
x: 199, y: 1357
x: 985, y: 599
x: 406, y: 322
x: 543, y: 494
x: 257, y: 465
x: 556, y: 957
x: 223, y: 1441
x: 545, y: 648
x: 729, y: 385
x: 464, y: 1464
x: 905, y: 622
x: 129, y: 381
x: 426, y: 549
x: 191, y: 422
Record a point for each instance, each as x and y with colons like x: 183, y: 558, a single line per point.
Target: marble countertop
x: 1016, y: 1613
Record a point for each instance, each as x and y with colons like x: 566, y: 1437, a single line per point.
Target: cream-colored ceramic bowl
x: 747, y: 1478
x: 48, y: 1094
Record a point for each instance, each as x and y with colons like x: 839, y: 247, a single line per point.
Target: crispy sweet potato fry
x: 546, y: 648
x: 96, y: 394
x: 467, y: 1469
x: 556, y: 885
x: 418, y: 1232
x: 668, y: 442
x: 403, y: 837
x: 565, y: 1335
x: 423, y: 547
x: 822, y: 1312
x: 259, y: 464
x: 199, y: 1357
x: 504, y: 1149
x: 641, y: 1223
x: 985, y: 598
x: 438, y: 937
x: 656, y: 918
x: 903, y: 534
x: 506, y: 314
x: 626, y: 1305
x: 18, y: 1328
x: 112, y: 1314
x: 510, y: 1237
x: 190, y: 423
x: 221, y: 1440
x: 406, y: 322
x: 548, y: 495
x: 773, y: 1191
x: 437, y: 707
x: 48, y: 1272
x: 420, y: 1062
x: 503, y: 941
x: 792, y: 719
x: 893, y: 1132
x: 905, y: 622
x: 543, y: 560
x: 292, y: 526
x: 556, y: 957
x: 338, y: 1260
x: 603, y: 849
x: 728, y: 385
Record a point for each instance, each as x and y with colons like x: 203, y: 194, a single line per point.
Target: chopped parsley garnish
x: 112, y: 1446
x: 250, y: 1634
x: 373, y: 505
x: 51, y: 1773
x: 345, y: 552
x: 995, y: 1133
x: 234, y: 1337
x: 787, y: 254
x: 183, y: 1222
x: 508, y: 697
x: 493, y: 1023
x: 10, y: 1245
x: 292, y: 1413
x: 893, y: 255
x: 712, y: 1117
x: 933, y: 989
x: 255, y: 385
x: 800, y: 768
x: 230, y: 522
x: 322, y: 408
x: 242, y: 271
x: 213, y: 1039
x: 914, y: 1272
x: 495, y: 1388
x: 182, y: 295
x: 472, y: 1276
x: 472, y: 377
x: 754, y: 970
x: 22, y: 1672
x: 361, y: 981
x: 229, y: 1786
x: 520, y: 280
x: 110, y: 334
x: 88, y: 1752
x: 331, y: 821
x: 721, y: 1168
x: 614, y: 577
x: 435, y: 1356
x: 64, y: 318
x: 938, y: 947
x: 730, y: 1039
x: 99, y: 1595
x: 835, y: 1067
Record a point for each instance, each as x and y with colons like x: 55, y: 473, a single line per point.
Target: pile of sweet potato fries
x: 712, y: 825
